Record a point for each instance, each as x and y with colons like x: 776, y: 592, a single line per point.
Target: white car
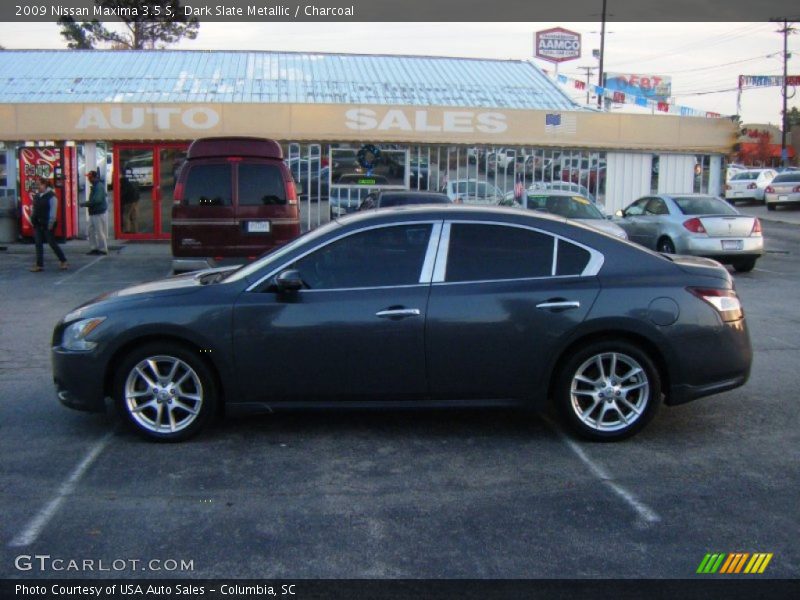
x: 472, y: 191
x: 748, y: 185
x: 783, y: 190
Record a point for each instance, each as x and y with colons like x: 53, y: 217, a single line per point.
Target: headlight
x: 74, y: 337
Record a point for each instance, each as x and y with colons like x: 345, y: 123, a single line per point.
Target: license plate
x: 783, y: 198
x: 258, y: 226
x: 732, y: 244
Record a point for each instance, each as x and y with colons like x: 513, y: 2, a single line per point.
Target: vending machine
x: 58, y: 164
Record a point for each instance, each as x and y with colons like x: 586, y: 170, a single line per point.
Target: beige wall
x: 321, y: 122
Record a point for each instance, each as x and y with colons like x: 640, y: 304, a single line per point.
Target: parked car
x: 351, y: 191
x: 695, y: 224
x: 387, y: 198
x: 783, y: 190
x: 214, y: 220
x: 472, y: 191
x: 446, y: 306
x: 748, y: 185
x: 563, y: 185
x: 572, y: 206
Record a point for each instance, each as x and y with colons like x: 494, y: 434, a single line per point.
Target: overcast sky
x: 691, y: 53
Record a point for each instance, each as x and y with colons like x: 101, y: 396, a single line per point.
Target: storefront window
x: 3, y: 169
x: 702, y: 167
x: 136, y: 181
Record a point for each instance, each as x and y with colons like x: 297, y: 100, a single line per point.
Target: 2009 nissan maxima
x: 424, y: 306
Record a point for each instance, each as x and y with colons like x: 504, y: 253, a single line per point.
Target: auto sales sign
x: 558, y: 45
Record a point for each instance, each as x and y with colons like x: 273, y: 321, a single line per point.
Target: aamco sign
x: 558, y: 44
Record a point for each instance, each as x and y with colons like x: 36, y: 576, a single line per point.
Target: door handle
x: 558, y: 305
x: 397, y: 313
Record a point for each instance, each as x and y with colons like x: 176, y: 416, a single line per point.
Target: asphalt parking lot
x: 453, y: 494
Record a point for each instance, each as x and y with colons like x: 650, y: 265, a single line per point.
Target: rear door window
x: 483, y: 252
x: 208, y: 185
x: 261, y: 184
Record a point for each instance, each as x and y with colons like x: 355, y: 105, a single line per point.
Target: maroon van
x: 234, y: 199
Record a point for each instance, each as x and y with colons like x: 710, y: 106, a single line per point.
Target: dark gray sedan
x: 417, y: 306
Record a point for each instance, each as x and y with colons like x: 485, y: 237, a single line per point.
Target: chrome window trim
x: 592, y: 268
x: 554, y: 267
x: 252, y: 287
x: 430, y: 254
x: 361, y: 289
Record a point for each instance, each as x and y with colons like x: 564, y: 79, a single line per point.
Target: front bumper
x: 79, y: 378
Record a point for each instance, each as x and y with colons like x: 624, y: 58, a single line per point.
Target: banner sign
x: 767, y: 80
x: 654, y: 87
x: 558, y: 45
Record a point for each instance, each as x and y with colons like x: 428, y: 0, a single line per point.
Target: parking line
x: 645, y: 512
x: 35, y: 527
x: 83, y: 268
x: 768, y: 271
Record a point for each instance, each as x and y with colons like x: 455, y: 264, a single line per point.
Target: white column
x: 715, y: 175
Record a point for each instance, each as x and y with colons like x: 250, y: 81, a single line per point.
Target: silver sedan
x: 695, y: 224
x: 784, y: 189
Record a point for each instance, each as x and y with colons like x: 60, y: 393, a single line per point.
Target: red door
x: 144, y: 177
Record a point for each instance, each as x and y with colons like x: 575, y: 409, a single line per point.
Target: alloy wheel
x: 609, y: 392
x: 163, y: 394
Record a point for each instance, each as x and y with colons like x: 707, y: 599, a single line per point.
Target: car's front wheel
x: 608, y: 390
x: 165, y: 392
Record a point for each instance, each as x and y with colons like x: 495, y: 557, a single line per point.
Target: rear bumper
x: 790, y: 198
x: 681, y: 394
x: 712, y: 246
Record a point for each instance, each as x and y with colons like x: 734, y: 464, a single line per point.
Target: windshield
x: 474, y: 188
x: 570, y: 207
x: 704, y: 205
x: 279, y: 252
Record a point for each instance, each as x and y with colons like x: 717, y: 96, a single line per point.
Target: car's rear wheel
x: 770, y: 206
x: 744, y: 265
x: 608, y: 390
x: 165, y: 392
x: 666, y: 246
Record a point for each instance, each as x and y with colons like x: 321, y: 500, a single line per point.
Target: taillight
x: 796, y: 189
x: 769, y: 189
x: 752, y: 186
x: 727, y: 187
x: 756, y: 228
x: 725, y: 302
x: 694, y: 225
x: 291, y: 192
x: 177, y: 195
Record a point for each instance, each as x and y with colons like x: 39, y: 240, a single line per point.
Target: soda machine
x: 59, y: 165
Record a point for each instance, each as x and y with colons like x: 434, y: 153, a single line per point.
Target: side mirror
x: 619, y: 213
x: 288, y: 281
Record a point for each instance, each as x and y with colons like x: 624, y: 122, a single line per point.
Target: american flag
x: 555, y: 123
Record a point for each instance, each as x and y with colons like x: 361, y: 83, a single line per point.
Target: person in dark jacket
x: 98, y: 214
x: 129, y: 198
x: 43, y: 218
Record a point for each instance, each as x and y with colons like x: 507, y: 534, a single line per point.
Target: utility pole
x: 600, y: 78
x: 589, y: 73
x: 785, y: 121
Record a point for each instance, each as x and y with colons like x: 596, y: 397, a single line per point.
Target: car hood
x: 605, y: 226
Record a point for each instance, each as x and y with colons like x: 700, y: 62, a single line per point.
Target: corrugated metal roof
x: 52, y: 76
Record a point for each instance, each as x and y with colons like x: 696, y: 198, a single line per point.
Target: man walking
x: 43, y: 218
x: 98, y: 214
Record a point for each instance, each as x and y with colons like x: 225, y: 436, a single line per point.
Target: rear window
x: 208, y: 185
x: 790, y: 177
x: 745, y: 176
x: 261, y: 185
x: 704, y: 205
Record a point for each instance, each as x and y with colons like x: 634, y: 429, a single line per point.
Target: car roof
x: 447, y: 212
x: 412, y: 193
x: 553, y: 192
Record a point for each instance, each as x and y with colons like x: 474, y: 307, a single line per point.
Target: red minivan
x: 234, y: 199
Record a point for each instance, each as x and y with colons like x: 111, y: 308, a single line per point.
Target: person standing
x: 98, y: 214
x: 43, y: 218
x: 129, y: 198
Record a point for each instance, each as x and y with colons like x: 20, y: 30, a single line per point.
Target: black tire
x: 744, y: 265
x: 200, y: 383
x: 770, y: 206
x: 665, y: 246
x: 570, y: 400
